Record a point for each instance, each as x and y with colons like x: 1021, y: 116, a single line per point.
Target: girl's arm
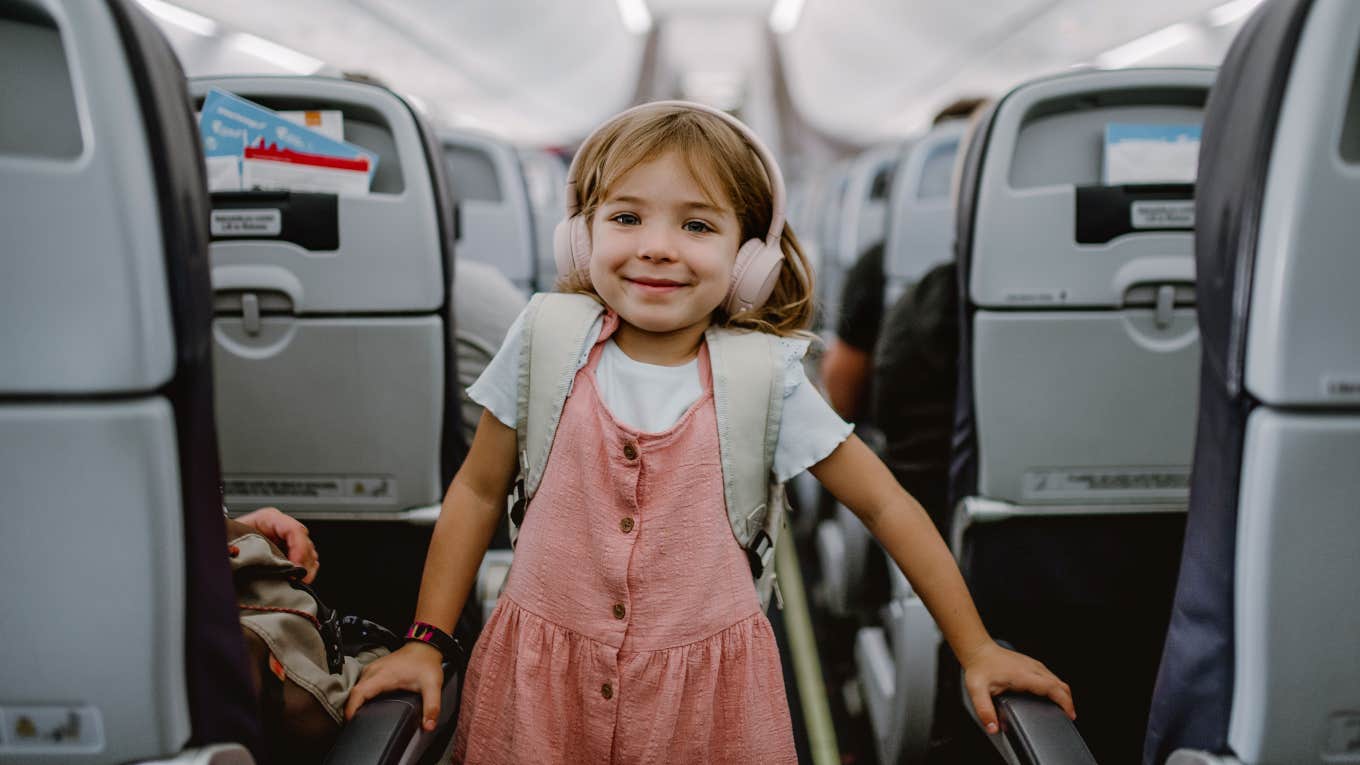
x: 473, y: 506
x: 861, y: 482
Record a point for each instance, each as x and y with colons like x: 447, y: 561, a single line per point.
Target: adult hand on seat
x: 992, y: 669
x: 415, y: 667
x: 288, y: 533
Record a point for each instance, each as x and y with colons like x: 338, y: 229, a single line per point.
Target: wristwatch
x: 446, y: 644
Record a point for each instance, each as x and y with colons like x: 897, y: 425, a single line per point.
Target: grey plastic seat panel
x: 1301, y: 288
x: 1031, y: 172
x: 921, y: 230
x: 1115, y: 423
x: 545, y: 175
x: 843, y: 545
x: 360, y: 439
x: 81, y: 638
x: 390, y: 251
x: 897, y: 667
x: 1297, y: 624
x: 48, y: 278
x: 495, y: 220
x: 864, y: 216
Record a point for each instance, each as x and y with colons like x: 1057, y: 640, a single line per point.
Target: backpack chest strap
x: 556, y: 328
x: 747, y: 397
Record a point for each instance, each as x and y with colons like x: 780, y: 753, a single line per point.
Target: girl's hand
x: 992, y: 669
x: 415, y: 667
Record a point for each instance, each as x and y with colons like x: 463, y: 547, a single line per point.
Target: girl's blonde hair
x: 727, y: 169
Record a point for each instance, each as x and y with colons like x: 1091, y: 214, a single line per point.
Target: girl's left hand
x: 992, y: 669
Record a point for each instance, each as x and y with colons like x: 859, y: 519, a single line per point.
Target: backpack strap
x: 748, y: 387
x: 556, y: 326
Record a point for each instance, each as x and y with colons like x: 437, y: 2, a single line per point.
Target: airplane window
x: 1350, y: 130
x: 33, y: 72
x: 472, y: 174
x: 938, y: 172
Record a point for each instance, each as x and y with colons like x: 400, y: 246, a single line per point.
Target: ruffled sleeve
x: 809, y: 429
x: 497, y: 389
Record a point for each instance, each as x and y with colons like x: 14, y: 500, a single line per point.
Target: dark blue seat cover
x: 221, y: 702
x: 1192, y: 700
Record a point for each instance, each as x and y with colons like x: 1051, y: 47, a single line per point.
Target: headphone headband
x: 763, y: 153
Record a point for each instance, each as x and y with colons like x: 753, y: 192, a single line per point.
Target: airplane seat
x: 1259, y: 664
x: 545, y: 174
x: 919, y: 241
x: 1078, y: 366
x: 121, y: 629
x: 829, y: 211
x: 920, y: 233
x: 855, y: 220
x: 334, y: 348
x: 844, y: 546
x: 495, y: 218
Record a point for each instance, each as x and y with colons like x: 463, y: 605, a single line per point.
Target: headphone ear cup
x: 753, y: 276
x: 580, y: 244
x: 571, y: 246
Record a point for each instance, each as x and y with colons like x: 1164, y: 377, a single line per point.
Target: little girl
x: 629, y: 628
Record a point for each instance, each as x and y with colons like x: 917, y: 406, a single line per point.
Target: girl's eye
x: 697, y: 227
x: 627, y: 219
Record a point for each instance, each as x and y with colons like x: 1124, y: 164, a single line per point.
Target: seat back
x: 862, y: 218
x: 336, y: 389
x: 1076, y: 298
x: 1076, y: 391
x: 120, y: 628
x: 921, y: 209
x: 1260, y: 656
x: 495, y: 218
x: 545, y: 175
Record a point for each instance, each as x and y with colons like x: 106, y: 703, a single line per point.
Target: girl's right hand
x: 414, y: 667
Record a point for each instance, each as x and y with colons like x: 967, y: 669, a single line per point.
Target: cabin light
x: 276, y: 54
x: 173, y: 14
x: 1145, y: 47
x: 636, y: 18
x: 784, y: 15
x: 1227, y: 13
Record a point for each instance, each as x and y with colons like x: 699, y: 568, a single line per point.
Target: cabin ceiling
x: 543, y: 73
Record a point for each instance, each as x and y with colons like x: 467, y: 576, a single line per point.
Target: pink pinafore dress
x: 629, y: 630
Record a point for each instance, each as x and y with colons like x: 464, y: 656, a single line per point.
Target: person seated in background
x: 849, y: 357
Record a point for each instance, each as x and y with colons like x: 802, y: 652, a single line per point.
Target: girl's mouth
x: 655, y: 286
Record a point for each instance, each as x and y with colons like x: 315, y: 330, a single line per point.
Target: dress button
x: 619, y: 611
x: 630, y: 451
x: 626, y: 525
x: 607, y: 691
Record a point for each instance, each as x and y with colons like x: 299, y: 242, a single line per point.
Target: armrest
x: 1035, y: 731
x: 387, y: 729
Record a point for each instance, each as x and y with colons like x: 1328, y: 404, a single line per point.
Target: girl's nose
x: 657, y: 245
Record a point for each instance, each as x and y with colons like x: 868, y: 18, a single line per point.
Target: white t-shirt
x: 651, y: 398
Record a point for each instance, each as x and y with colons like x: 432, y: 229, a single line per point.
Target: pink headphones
x: 758, y: 262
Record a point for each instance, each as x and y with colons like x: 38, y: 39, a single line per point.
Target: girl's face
x: 662, y: 254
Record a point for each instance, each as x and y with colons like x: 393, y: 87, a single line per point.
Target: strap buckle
x: 760, y: 553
